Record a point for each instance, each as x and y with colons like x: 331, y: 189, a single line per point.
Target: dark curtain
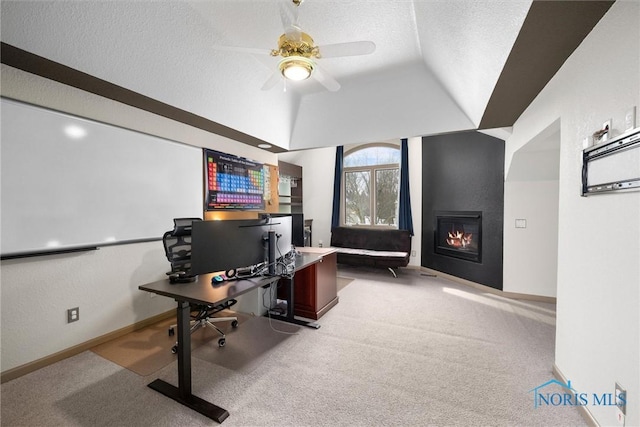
x: 405, y: 222
x: 337, y: 184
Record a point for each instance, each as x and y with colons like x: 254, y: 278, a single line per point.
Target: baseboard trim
x: 21, y: 370
x: 582, y: 410
x: 489, y: 289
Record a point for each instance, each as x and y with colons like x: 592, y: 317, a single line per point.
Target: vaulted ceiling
x: 439, y: 66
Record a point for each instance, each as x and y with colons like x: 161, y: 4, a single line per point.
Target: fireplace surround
x: 458, y: 234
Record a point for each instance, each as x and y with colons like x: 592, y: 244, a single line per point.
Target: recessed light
x: 264, y: 145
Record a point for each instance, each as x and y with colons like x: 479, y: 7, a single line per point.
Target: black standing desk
x: 199, y: 292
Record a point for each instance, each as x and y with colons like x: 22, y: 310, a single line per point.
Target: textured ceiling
x: 434, y: 69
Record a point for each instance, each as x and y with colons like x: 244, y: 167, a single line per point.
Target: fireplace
x: 459, y: 235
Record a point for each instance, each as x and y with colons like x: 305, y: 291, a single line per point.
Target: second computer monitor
x: 226, y: 245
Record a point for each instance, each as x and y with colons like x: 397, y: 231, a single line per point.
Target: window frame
x: 372, y: 170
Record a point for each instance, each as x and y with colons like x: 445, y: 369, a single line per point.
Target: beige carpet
x: 406, y: 351
x: 343, y: 282
x: 249, y: 345
x: 148, y: 350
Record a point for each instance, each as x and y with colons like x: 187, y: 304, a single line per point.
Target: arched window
x: 371, y: 181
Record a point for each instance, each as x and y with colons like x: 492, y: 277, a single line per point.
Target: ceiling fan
x: 299, y: 52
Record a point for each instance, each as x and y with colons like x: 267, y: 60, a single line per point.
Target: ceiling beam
x: 43, y: 67
x: 550, y: 33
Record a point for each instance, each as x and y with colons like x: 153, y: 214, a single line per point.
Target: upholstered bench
x: 387, y: 248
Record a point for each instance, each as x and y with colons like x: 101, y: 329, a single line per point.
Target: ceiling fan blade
x: 272, y: 81
x: 268, y: 61
x: 289, y: 18
x: 347, y: 49
x: 293, y: 32
x: 325, y: 79
x: 288, y: 14
x: 256, y: 51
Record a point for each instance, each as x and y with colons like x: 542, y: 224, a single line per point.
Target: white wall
x: 531, y: 254
x: 598, y: 282
x: 36, y: 292
x: 317, y: 177
x: 531, y: 192
x: 30, y: 88
x: 317, y: 188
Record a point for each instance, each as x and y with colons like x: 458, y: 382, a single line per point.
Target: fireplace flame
x: 459, y: 239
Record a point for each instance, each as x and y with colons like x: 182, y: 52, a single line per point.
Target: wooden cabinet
x: 316, y: 285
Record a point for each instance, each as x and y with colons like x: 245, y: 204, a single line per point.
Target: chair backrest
x: 177, y: 247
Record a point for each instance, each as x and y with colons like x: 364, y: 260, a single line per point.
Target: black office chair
x: 177, y: 248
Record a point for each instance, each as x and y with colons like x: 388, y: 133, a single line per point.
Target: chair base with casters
x: 204, y: 317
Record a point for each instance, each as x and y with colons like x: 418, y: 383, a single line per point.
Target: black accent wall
x: 464, y: 172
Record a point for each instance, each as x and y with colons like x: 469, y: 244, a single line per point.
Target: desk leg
x: 182, y: 393
x: 184, y: 349
x: 290, y: 317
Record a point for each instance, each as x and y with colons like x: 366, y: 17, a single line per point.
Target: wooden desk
x: 199, y: 292
x: 315, y: 282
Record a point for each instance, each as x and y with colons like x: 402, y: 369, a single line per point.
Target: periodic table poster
x: 232, y: 182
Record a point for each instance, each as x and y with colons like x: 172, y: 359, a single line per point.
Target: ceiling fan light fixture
x: 296, y: 68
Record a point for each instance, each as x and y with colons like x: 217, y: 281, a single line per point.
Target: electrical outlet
x: 413, y: 253
x: 73, y: 314
x: 521, y: 223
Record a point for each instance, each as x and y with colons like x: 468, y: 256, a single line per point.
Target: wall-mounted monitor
x: 232, y: 182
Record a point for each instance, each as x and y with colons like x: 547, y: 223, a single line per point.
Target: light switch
x: 521, y: 223
x: 630, y: 119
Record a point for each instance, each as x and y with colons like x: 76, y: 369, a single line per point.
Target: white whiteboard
x: 111, y: 186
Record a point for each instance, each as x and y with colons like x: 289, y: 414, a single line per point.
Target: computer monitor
x: 232, y: 244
